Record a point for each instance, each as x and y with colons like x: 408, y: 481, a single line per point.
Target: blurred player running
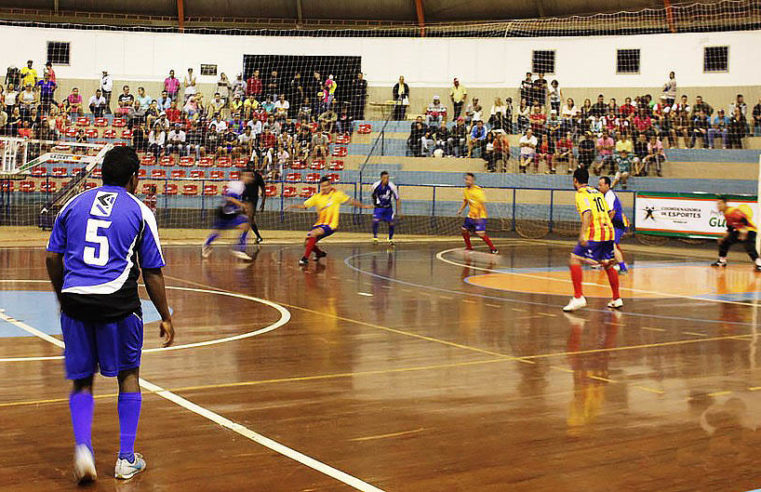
x: 740, y: 229
x: 254, y: 184
x: 596, y: 240
x: 618, y: 218
x: 384, y: 191
x: 328, y: 203
x: 100, y: 242
x: 231, y: 215
x: 475, y: 200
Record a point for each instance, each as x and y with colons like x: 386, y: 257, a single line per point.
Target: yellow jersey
x: 476, y: 199
x: 591, y: 200
x: 28, y: 77
x: 739, y: 217
x: 328, y: 206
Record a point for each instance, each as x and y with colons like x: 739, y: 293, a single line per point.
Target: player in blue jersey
x: 231, y: 214
x: 101, y: 240
x: 619, y: 219
x: 384, y: 193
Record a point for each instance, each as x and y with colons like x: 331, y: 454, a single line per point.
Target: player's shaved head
x: 581, y: 176
x: 120, y: 164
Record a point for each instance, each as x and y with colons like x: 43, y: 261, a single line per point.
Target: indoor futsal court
x: 415, y: 368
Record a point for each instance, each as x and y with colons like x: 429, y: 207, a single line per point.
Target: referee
x: 254, y: 184
x: 101, y: 240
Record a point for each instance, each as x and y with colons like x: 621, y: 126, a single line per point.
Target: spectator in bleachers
x: 501, y: 153
x: 223, y: 88
x: 143, y: 99
x: 569, y: 114
x: 175, y: 141
x: 553, y: 126
x: 107, y: 86
x: 627, y: 109
x: 319, y: 145
x: 436, y: 112
x: 239, y: 87
x: 477, y: 138
x: 211, y: 143
x: 642, y: 123
x: 527, y: 90
x: 739, y: 102
x: 458, y: 94
x: 302, y: 143
x: 282, y: 106
x: 401, y: 93
x: 48, y: 70
x: 641, y: 151
x: 268, y: 105
x: 556, y: 96
x: 666, y: 129
x: 585, y: 113
x: 738, y: 126
x: 487, y: 154
x: 25, y: 131
x: 682, y: 105
x: 163, y: 122
x: 509, y: 115
x: 236, y: 105
x: 703, y: 106
x: 669, y: 89
x: 14, y: 122
x: 546, y: 153
x: 219, y: 125
x: 10, y: 98
x: 217, y: 104
x: 498, y: 115
x: 173, y: 114
x: 139, y: 137
x: 599, y: 109
x: 524, y: 112
x: 156, y: 140
x: 757, y: 118
x: 126, y: 102
x: 27, y: 100
x: 564, y: 149
x: 359, y: 97
x: 246, y: 141
x: 540, y: 90
x: 605, y: 145
x: 459, y: 136
x: 3, y: 120
x: 273, y: 125
x: 194, y: 140
x: 28, y: 74
x: 97, y: 104
x: 719, y: 127
x: 624, y: 143
x: 414, y: 142
x: 171, y: 86
x: 443, y: 140
x: 682, y: 125
x: 47, y: 88
x: 428, y: 142
x: 254, y: 86
x: 330, y: 91
x: 191, y: 108
x: 273, y: 85
x: 655, y: 156
x: 344, y: 123
x: 700, y: 126
x: 527, y: 144
x: 623, y: 169
x: 165, y: 101
x: 189, y: 84
x: 538, y: 120
x: 474, y: 112
x: 230, y: 143
x: 328, y: 120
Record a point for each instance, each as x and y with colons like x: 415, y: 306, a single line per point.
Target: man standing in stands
x: 458, y: 95
x: 172, y: 86
x: 106, y: 86
x: 359, y: 97
x: 254, y: 86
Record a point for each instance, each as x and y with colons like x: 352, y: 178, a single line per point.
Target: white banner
x: 683, y: 214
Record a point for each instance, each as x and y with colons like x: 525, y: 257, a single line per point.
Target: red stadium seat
x: 84, y: 121
x: 298, y: 164
x: 110, y: 133
x: 187, y: 161
x: 196, y: 174
x: 48, y: 187
x: 101, y: 142
x: 235, y: 175
x: 76, y: 171
x: 119, y: 123
x: 158, y: 174
x: 6, y: 186
x: 210, y: 190
x: 170, y: 189
x: 293, y: 177
x: 217, y: 175
x: 364, y: 128
x: 96, y: 173
x: 241, y: 162
x: 101, y: 122
x: 147, y: 188
x: 270, y: 190
x: 312, y: 178
x: 89, y: 185
x: 148, y: 160
x: 71, y: 132
x: 167, y: 161
x: 91, y: 133
x: 289, y: 191
x: 126, y: 133
x: 224, y: 162
x: 333, y: 177
x: 343, y: 139
x: 340, y: 152
x: 190, y: 190
x: 62, y: 148
x: 206, y: 162
x: 307, y: 191
x: 39, y: 171
x: 27, y: 186
x: 120, y: 144
x: 141, y: 173
x: 336, y: 165
x: 317, y: 165
x: 178, y: 174
x: 59, y: 172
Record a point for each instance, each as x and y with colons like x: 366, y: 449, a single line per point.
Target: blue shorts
x: 619, y: 234
x: 474, y: 225
x: 383, y: 214
x: 326, y: 229
x: 112, y: 347
x: 222, y: 222
x: 595, y: 250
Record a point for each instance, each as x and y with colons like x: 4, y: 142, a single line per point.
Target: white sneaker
x: 575, y: 303
x: 205, y: 251
x: 390, y: 242
x: 375, y: 240
x: 84, y: 464
x: 241, y: 255
x: 125, y: 470
x: 616, y: 303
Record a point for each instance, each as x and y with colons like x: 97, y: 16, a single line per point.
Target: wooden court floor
x: 416, y: 369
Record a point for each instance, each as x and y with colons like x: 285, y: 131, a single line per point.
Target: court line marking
x: 386, y: 436
x: 525, y: 302
x: 440, y: 257
x: 225, y: 422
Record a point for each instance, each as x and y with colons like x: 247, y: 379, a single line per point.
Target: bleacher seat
x: 62, y: 148
x: 307, y: 191
x: 206, y: 162
x: 190, y: 190
x: 96, y: 173
x: 6, y: 186
x: 91, y: 133
x: 170, y: 189
x: 158, y: 174
x: 224, y: 162
x: 119, y: 123
x: 313, y: 178
x: 39, y: 171
x: 336, y: 165
x: 234, y: 175
x: 83, y: 121
x: 147, y: 188
x: 75, y: 171
x: 148, y: 160
x: 343, y: 139
x: 101, y: 122
x: 48, y: 187
x: 110, y: 133
x: 126, y: 133
x: 210, y: 190
x: 289, y: 191
x: 298, y: 164
x: 59, y: 172
x: 178, y: 174
x: 340, y: 152
x: 197, y: 174
x: 293, y: 177
x: 187, y: 161
x: 317, y: 165
x: 333, y: 177
x: 89, y: 185
x: 71, y: 132
x: 364, y: 128
x: 141, y: 173
x: 120, y: 144
x: 217, y: 175
x: 270, y: 190
x: 241, y: 162
x: 27, y: 186
x: 167, y: 161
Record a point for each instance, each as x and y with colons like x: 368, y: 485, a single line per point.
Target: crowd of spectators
x: 555, y: 129
x: 268, y: 119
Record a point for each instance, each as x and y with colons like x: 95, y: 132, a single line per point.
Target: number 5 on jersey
x: 97, y: 256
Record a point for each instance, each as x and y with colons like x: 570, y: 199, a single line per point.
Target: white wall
x: 489, y: 62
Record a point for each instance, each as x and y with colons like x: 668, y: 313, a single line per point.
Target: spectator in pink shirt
x: 172, y: 85
x: 605, y: 146
x: 75, y: 102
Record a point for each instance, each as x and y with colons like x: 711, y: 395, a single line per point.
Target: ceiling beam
x: 181, y: 15
x: 299, y: 13
x: 669, y: 15
x: 420, y: 16
x: 540, y: 8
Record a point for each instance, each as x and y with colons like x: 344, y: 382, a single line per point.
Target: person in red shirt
x: 25, y: 131
x: 538, y: 120
x: 254, y: 86
x: 546, y: 152
x: 740, y: 229
x: 627, y: 109
x: 173, y: 114
x: 565, y: 152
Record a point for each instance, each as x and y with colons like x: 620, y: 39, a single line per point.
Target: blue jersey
x: 615, y: 204
x: 103, y: 235
x: 236, y: 190
x: 383, y: 195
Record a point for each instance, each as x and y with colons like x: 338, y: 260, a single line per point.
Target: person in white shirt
x: 246, y: 141
x: 156, y: 140
x: 239, y: 87
x: 189, y: 83
x: 10, y: 98
x: 256, y: 126
x: 498, y: 114
x: 669, y: 89
x: 527, y: 144
x: 219, y: 123
x: 175, y: 140
x: 97, y: 104
x: 282, y: 106
x: 106, y: 86
x: 436, y: 113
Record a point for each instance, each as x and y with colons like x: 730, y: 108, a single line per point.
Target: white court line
x: 222, y: 421
x: 440, y: 257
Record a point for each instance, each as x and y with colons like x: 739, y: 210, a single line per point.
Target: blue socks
x: 242, y: 241
x: 622, y: 267
x: 211, y: 239
x: 81, y: 406
x: 129, y: 415
x: 375, y: 229
x: 390, y: 231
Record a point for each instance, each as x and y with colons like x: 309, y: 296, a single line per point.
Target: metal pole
x: 515, y: 190
x: 552, y: 203
x: 282, y: 201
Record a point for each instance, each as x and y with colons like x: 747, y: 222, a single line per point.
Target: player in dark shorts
x: 254, y: 184
x: 384, y: 194
x: 740, y: 229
